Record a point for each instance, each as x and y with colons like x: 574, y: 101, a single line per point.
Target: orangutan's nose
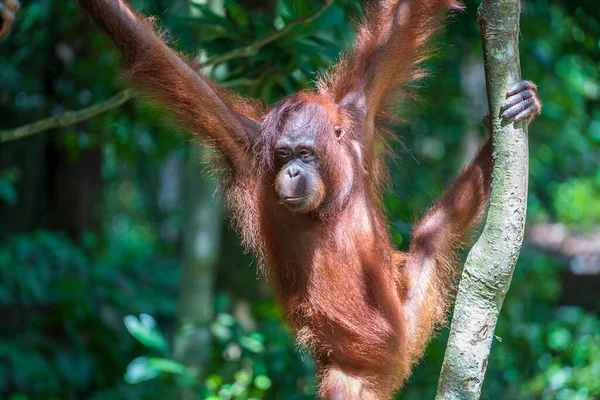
x: 293, y: 171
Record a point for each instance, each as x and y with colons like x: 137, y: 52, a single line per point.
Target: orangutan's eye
x: 305, y: 153
x: 283, y: 153
x: 339, y: 132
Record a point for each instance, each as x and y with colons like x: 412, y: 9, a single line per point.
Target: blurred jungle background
x: 120, y: 277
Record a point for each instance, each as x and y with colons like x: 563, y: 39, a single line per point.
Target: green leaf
x: 140, y: 370
x: 252, y: 344
x: 145, y: 330
x: 165, y: 365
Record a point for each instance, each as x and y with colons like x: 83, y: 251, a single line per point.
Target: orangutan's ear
x: 339, y: 132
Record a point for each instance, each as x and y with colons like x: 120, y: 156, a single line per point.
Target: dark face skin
x: 299, y: 183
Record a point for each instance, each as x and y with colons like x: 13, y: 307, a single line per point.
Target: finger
x: 517, y: 108
x: 520, y: 86
x: 528, y: 112
x: 517, y: 98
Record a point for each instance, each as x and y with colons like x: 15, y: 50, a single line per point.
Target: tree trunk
x: 201, y: 249
x: 490, y: 263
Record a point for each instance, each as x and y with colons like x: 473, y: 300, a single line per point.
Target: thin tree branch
x: 74, y: 117
x: 251, y: 49
x: 491, y: 262
x: 67, y: 118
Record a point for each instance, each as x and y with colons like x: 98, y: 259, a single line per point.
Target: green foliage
x: 65, y: 303
x: 570, y: 363
x: 255, y: 357
x: 250, y: 360
x: 281, y: 67
x: 577, y: 201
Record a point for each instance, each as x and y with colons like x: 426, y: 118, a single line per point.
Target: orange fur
x: 390, y: 46
x: 364, y: 310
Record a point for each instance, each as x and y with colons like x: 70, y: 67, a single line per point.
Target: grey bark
x: 491, y: 261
